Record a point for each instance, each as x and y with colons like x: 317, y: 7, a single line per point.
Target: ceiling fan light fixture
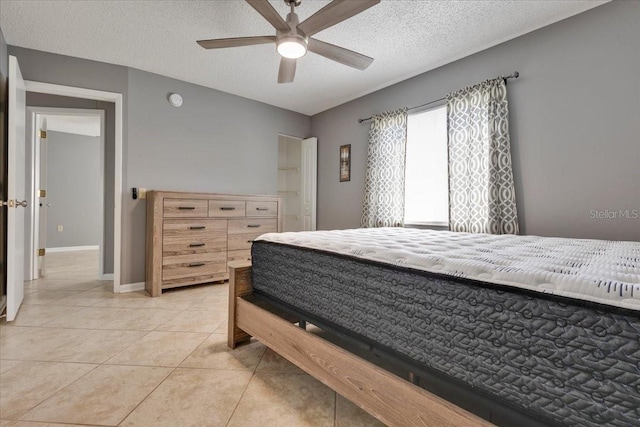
x: 292, y: 47
x: 293, y: 38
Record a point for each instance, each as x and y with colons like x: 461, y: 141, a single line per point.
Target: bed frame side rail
x: 387, y: 397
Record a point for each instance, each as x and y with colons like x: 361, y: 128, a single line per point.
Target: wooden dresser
x: 192, y: 236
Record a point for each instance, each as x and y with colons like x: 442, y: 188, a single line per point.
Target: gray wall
x: 74, y: 190
x: 575, y: 125
x: 214, y: 142
x: 43, y: 100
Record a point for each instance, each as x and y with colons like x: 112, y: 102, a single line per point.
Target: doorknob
x: 11, y: 203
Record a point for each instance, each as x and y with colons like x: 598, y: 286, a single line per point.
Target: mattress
x: 606, y: 272
x: 568, y: 362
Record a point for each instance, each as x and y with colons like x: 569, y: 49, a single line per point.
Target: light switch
x: 142, y: 193
x: 60, y: 228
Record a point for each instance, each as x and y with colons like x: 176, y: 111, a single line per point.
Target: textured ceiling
x: 406, y: 38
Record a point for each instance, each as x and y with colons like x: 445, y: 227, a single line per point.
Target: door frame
x: 117, y: 99
x: 310, y: 176
x: 35, y: 156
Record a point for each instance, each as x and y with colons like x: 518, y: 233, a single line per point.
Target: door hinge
x: 41, y: 252
x: 43, y: 134
x: 42, y: 193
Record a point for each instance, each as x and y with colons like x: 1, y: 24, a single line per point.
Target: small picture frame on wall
x: 345, y: 163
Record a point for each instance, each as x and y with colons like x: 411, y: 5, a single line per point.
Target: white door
x: 308, y: 188
x: 15, y: 189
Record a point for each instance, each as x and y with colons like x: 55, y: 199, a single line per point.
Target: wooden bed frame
x: 389, y: 398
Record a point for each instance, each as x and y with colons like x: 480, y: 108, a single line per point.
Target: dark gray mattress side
x: 577, y: 365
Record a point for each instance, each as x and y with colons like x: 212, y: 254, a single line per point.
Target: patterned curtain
x: 481, y: 190
x: 384, y: 182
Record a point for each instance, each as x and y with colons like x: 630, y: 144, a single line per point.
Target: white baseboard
x: 73, y: 248
x: 132, y: 287
x: 107, y: 276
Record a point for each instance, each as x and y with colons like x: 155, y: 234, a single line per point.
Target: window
x: 426, y: 170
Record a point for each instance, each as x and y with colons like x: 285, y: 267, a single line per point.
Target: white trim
x: 33, y: 114
x: 63, y: 111
x: 31, y: 213
x: 103, y: 171
x: 117, y: 98
x: 132, y: 287
x: 427, y: 224
x: 73, y: 248
x: 74, y: 92
x: 108, y: 276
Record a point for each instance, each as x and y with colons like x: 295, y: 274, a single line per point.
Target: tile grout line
x: 253, y: 374
x: 147, y: 396
x: 164, y: 379
x: 56, y: 392
x: 133, y: 343
x: 154, y: 389
x: 335, y: 409
x: 192, y: 351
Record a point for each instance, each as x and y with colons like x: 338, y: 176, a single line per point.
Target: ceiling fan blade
x: 340, y: 54
x: 236, y: 41
x: 333, y: 13
x: 287, y: 70
x: 264, y: 8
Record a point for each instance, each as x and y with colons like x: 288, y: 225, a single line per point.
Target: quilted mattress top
x: 601, y: 271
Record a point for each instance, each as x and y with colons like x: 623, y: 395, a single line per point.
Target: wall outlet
x: 142, y: 193
x: 60, y: 228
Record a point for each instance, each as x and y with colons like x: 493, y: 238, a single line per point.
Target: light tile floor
x: 77, y: 354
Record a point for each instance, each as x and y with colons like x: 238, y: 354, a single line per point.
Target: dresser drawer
x: 193, y: 269
x: 171, y: 258
x: 257, y: 225
x: 197, y: 244
x: 175, y: 231
x: 226, y: 208
x: 262, y: 209
x: 239, y: 255
x: 185, y: 208
x: 241, y: 241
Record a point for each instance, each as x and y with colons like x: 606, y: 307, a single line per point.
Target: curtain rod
x: 515, y: 75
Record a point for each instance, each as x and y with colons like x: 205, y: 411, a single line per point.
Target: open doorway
x: 68, y: 185
x: 41, y: 94
x: 297, y: 181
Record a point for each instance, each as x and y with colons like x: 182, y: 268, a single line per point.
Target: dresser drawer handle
x: 186, y: 208
x: 262, y: 209
x: 197, y: 227
x: 253, y: 225
x: 196, y: 245
x: 196, y: 264
x: 227, y: 208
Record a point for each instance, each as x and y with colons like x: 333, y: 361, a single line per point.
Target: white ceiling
x: 405, y: 37
x: 79, y: 125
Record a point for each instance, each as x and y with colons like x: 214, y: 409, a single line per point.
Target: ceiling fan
x: 293, y: 38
